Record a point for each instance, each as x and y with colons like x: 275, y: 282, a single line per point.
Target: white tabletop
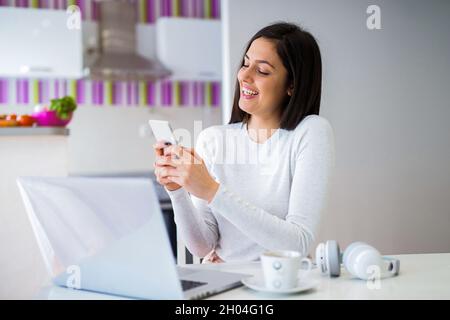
x: 422, y: 276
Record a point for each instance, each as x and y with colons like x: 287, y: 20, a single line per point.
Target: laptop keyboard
x: 186, y: 284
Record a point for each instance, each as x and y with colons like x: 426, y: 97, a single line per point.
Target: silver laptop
x: 108, y: 235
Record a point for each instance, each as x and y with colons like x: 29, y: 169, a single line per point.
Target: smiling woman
x: 230, y: 208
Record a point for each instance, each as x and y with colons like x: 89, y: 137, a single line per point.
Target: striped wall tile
x: 111, y: 93
x: 4, y: 84
x: 88, y: 8
x: 148, y: 10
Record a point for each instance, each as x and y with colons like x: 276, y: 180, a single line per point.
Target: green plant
x: 63, y: 106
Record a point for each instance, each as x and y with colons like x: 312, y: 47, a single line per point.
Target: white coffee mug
x: 281, y: 269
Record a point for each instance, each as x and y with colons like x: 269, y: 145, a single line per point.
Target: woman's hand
x: 187, y: 169
x: 212, y: 257
x: 160, y: 169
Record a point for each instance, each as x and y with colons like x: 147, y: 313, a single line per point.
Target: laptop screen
x: 102, y: 234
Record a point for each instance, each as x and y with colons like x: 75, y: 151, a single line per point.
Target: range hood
x: 116, y: 58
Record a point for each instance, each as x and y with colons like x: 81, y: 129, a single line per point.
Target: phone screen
x: 162, y: 131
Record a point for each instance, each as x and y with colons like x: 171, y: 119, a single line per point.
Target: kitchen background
x: 385, y: 92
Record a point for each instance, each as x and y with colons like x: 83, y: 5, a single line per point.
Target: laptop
x: 108, y: 235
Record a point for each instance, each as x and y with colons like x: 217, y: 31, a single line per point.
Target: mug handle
x: 308, y: 269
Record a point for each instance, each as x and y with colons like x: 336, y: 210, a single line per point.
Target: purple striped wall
x: 22, y: 91
x: 90, y: 8
x: 117, y: 93
x: 151, y: 94
x: 215, y: 94
x: 3, y: 91
x: 81, y: 92
x: 191, y: 93
x: 151, y: 11
x: 184, y: 93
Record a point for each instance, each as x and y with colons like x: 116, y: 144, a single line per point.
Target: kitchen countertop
x: 33, y: 131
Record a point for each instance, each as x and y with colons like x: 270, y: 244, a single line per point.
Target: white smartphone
x: 162, y: 131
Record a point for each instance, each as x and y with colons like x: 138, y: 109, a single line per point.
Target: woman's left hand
x: 189, y: 171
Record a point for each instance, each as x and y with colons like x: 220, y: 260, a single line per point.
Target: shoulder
x: 313, y: 133
x: 313, y: 127
x: 314, y: 123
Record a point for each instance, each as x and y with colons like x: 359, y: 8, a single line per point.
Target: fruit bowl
x: 49, y: 118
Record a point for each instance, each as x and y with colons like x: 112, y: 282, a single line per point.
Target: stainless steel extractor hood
x: 116, y: 58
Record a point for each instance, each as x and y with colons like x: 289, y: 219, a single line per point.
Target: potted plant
x: 59, y: 113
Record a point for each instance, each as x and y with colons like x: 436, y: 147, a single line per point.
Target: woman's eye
x: 259, y: 71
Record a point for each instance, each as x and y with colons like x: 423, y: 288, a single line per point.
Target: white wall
x: 386, y: 94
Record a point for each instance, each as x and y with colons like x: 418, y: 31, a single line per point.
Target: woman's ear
x: 289, y: 90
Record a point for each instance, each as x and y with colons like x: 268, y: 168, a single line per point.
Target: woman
x: 231, y: 209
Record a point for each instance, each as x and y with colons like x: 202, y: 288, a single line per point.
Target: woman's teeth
x: 249, y: 92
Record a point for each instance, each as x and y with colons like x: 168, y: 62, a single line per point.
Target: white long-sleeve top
x: 271, y: 195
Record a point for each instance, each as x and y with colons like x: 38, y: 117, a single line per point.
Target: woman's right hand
x: 212, y: 257
x: 159, y: 172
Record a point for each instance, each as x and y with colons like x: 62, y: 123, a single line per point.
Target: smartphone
x: 162, y: 131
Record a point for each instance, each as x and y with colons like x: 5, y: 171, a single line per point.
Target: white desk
x: 422, y: 276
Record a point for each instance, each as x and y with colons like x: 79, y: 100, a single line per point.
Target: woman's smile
x: 248, y: 93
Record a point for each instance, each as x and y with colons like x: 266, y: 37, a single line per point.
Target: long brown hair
x: 300, y: 54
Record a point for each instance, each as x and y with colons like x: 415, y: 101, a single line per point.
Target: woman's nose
x: 245, y: 75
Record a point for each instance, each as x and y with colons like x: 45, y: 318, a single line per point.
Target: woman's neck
x: 261, y: 129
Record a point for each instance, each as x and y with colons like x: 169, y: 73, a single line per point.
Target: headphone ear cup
x: 350, y: 252
x: 358, y: 257
x: 333, y: 254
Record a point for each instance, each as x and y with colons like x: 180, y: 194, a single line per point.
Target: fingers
x: 193, y: 153
x: 187, y: 154
x: 174, y: 150
x: 163, y: 181
x: 177, y: 180
x: 163, y: 148
x: 160, y: 146
x: 159, y: 151
x: 164, y: 173
x: 166, y: 161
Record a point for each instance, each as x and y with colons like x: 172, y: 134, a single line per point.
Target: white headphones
x: 358, y: 259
